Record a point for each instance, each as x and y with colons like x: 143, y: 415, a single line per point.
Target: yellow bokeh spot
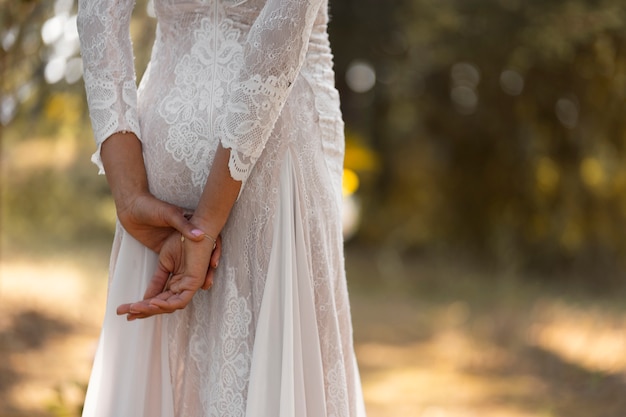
x: 592, y: 172
x: 547, y: 175
x: 350, y: 182
x: 359, y: 157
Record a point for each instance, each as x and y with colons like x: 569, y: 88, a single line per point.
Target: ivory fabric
x: 273, y: 336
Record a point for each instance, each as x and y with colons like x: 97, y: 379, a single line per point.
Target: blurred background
x: 485, y: 189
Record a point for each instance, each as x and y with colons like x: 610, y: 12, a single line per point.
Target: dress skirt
x: 283, y: 373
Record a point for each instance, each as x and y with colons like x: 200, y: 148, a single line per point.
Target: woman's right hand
x: 145, y: 217
x: 151, y: 221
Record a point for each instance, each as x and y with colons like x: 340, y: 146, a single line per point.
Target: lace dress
x: 273, y: 336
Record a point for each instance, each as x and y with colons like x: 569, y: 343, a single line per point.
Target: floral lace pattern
x: 218, y: 350
x: 273, y: 55
x: 202, y: 81
x: 255, y: 76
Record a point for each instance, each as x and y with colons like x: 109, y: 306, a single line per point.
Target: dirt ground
x: 433, y: 339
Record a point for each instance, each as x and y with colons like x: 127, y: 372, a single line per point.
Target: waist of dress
x: 202, y: 37
x: 184, y: 15
x: 184, y: 19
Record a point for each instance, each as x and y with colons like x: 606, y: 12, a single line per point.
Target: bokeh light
x: 512, y: 82
x: 360, y: 76
x: 465, y: 78
x: 567, y: 112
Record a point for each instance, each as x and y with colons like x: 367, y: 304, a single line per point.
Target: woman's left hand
x: 184, y: 267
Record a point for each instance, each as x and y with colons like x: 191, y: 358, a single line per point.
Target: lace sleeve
x: 272, y: 57
x: 109, y: 71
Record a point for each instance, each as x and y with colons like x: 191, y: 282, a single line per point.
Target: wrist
x: 206, y: 227
x: 122, y: 158
x: 127, y: 199
x: 203, y: 238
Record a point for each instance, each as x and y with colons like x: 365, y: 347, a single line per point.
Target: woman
x: 236, y: 121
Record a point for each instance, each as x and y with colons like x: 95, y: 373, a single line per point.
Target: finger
x: 123, y: 309
x: 208, y: 281
x: 132, y: 316
x: 166, y: 302
x: 144, y: 309
x: 158, y: 282
x: 176, y: 302
x: 175, y: 217
x: 213, y: 263
x: 217, y: 253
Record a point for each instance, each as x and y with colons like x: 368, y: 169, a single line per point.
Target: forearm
x: 124, y: 166
x: 218, y: 197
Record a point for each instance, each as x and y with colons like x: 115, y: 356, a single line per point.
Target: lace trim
x: 108, y: 113
x: 251, y: 118
x: 239, y: 165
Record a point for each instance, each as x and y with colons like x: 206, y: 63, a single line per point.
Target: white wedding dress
x: 273, y: 336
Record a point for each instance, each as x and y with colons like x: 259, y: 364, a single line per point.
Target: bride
x: 230, y: 151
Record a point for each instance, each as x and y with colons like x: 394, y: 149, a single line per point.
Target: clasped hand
x: 187, y: 260
x: 184, y: 267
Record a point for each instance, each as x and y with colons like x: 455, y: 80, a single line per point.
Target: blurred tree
x: 500, y: 125
x: 20, y: 24
x: 492, y: 128
x: 48, y: 187
x: 40, y: 66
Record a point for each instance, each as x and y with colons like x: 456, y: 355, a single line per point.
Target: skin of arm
x: 188, y: 261
x: 148, y: 219
x: 212, y: 213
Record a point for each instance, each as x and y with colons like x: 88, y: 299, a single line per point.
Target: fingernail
x: 197, y: 232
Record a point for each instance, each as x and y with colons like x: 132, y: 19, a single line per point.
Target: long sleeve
x: 109, y: 72
x: 273, y: 54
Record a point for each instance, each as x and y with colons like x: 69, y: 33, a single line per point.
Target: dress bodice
x: 263, y: 44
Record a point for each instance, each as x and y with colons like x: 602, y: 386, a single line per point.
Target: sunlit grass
x: 51, y: 310
x: 454, y: 341
x: 589, y: 337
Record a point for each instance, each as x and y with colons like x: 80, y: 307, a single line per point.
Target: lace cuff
x: 103, y: 27
x: 239, y: 165
x: 112, y: 109
x: 273, y: 54
x: 250, y: 119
